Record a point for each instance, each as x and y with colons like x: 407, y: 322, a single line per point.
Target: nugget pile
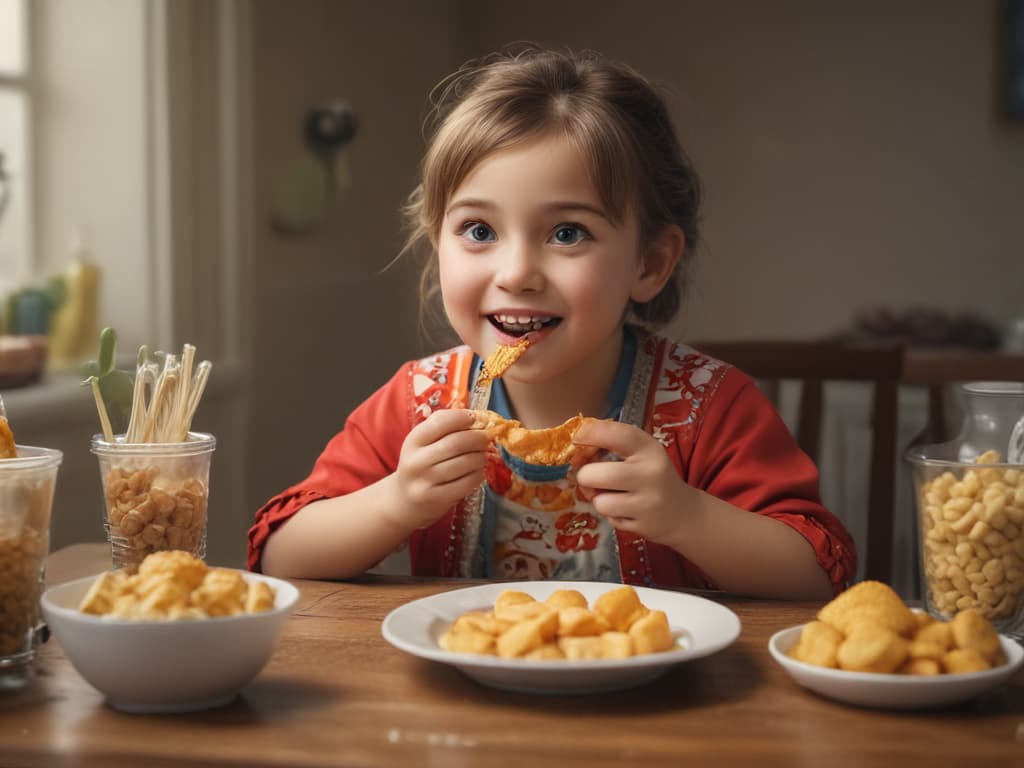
x: 175, y: 585
x: 562, y: 627
x: 868, y: 628
x: 974, y: 539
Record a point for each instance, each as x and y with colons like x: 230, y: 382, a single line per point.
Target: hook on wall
x: 309, y: 189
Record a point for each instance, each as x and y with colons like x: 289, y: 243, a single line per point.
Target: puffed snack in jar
x: 973, y: 545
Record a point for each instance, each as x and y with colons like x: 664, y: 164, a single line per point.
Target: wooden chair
x: 813, y: 363
x: 940, y: 370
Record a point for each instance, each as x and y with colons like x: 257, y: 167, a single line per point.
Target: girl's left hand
x: 642, y: 493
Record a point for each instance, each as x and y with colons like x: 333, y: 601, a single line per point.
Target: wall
x: 328, y: 326
x: 854, y: 154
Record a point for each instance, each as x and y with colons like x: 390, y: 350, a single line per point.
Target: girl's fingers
x: 442, y: 423
x: 613, y: 436
x: 457, y: 467
x: 607, y: 476
x: 616, y: 505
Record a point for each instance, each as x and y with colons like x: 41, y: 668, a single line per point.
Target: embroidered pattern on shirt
x: 686, y: 380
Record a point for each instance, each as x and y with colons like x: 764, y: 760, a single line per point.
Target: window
x: 15, y: 152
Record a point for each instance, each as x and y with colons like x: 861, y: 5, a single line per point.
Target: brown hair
x: 613, y: 116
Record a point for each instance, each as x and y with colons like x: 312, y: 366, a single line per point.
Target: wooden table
x: 336, y: 693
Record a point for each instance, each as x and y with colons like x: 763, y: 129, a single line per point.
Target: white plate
x: 701, y: 627
x: 891, y: 691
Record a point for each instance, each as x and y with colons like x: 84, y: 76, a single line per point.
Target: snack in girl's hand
x: 501, y: 359
x: 868, y: 628
x: 551, y: 447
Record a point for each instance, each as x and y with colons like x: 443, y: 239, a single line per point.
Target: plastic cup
x: 26, y: 499
x: 156, y: 496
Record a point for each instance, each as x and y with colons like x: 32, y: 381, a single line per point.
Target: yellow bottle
x: 75, y: 324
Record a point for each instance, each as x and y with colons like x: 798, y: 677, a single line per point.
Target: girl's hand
x: 642, y: 493
x: 442, y: 461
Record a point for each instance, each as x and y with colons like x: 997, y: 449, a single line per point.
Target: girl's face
x: 526, y: 247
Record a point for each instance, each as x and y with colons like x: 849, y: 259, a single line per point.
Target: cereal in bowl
x: 562, y: 627
x: 172, y: 585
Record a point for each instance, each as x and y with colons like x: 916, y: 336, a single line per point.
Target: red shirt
x: 721, y: 434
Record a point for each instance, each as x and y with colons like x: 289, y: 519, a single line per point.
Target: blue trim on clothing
x: 500, y: 404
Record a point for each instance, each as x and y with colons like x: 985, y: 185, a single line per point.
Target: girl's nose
x: 520, y: 269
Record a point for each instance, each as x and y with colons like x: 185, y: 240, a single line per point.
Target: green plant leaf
x: 116, y: 386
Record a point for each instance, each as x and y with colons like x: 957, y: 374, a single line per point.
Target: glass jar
x: 156, y: 496
x: 27, y: 484
x: 971, y: 535
x: 994, y: 413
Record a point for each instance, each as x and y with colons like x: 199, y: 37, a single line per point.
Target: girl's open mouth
x: 518, y: 325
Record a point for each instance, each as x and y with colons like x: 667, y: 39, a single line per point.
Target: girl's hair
x: 609, y: 112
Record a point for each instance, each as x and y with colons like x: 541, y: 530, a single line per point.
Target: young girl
x: 558, y: 205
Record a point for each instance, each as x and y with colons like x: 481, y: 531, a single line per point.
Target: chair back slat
x: 814, y: 363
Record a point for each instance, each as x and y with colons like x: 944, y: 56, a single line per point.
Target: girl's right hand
x: 442, y: 461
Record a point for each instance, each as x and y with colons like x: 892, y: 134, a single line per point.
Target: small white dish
x: 701, y: 627
x: 166, y: 666
x: 867, y: 689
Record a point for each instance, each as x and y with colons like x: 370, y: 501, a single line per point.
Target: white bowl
x: 166, y: 666
x: 868, y: 689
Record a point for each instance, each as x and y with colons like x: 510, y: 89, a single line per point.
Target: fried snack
x: 973, y: 631
x: 547, y: 652
x: 932, y: 641
x: 174, y: 585
x: 468, y: 642
x: 551, y: 447
x: 818, y: 645
x: 566, y: 598
x: 528, y: 635
x: 869, y: 601
x: 501, y: 359
x: 651, y: 633
x: 867, y: 629
x: 580, y: 648
x: 7, y: 447
x: 920, y: 667
x: 872, y: 648
x: 620, y: 608
x: 562, y: 627
x: 617, y: 645
x: 961, y: 661
x: 575, y: 621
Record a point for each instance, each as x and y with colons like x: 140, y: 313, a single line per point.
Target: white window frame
x: 17, y: 267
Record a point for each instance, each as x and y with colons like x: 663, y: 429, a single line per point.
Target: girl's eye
x: 569, y: 234
x: 477, y: 232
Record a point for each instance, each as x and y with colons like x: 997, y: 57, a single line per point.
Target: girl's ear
x: 660, y: 258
